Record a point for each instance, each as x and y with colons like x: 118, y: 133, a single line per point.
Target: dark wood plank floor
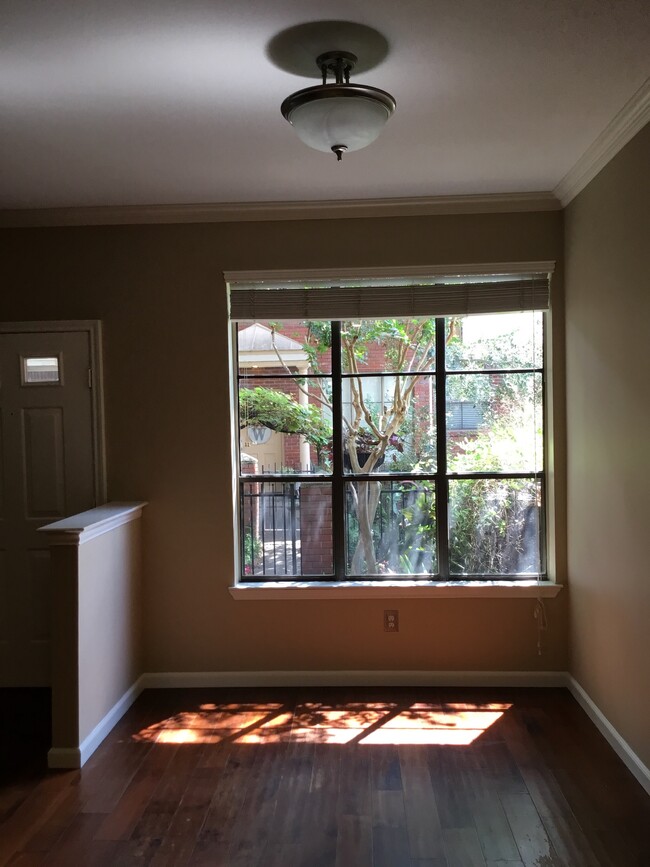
x: 325, y: 778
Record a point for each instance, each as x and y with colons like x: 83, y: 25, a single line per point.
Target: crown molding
x: 260, y: 211
x: 634, y: 115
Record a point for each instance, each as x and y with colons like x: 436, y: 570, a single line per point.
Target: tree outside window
x: 377, y: 478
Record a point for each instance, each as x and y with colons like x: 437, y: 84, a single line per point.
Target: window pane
x: 494, y: 526
x: 391, y: 528
x: 388, y: 345
x: 288, y: 346
x: 283, y: 426
x: 286, y: 529
x: 493, y: 341
x: 387, y: 391
x: 401, y: 436
x: 502, y: 422
x: 41, y: 370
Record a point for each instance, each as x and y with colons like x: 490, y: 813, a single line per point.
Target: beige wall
x: 608, y: 424
x: 159, y: 291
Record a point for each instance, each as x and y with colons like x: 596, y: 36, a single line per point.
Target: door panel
x: 43, y: 471
x: 47, y: 472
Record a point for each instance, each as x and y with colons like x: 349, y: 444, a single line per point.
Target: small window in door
x: 42, y: 370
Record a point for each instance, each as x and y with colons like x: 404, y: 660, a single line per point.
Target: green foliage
x: 401, y: 339
x: 489, y: 526
x: 318, y: 343
x: 252, y: 552
x: 418, y: 519
x: 282, y: 413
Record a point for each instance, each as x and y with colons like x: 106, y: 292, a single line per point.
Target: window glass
x: 39, y: 371
x: 286, y: 529
x: 506, y: 416
x: 391, y: 528
x: 389, y: 424
x: 388, y: 345
x: 286, y: 346
x: 494, y: 526
x: 285, y: 425
x: 494, y: 341
x: 342, y: 472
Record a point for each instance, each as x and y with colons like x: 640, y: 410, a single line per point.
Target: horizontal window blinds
x: 371, y: 302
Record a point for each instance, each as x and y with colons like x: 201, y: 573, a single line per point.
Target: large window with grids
x: 401, y: 440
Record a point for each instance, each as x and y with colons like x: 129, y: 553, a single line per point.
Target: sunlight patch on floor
x: 367, y: 723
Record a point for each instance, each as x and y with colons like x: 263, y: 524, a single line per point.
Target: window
x: 41, y: 371
x: 402, y: 447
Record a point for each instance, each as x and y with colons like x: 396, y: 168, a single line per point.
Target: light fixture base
x: 337, y: 63
x: 339, y: 150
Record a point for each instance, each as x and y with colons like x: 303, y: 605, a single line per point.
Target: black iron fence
x: 271, y: 520
x: 403, y: 529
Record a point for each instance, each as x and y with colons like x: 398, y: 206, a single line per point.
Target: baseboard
x: 76, y: 757
x: 185, y: 679
x: 620, y: 746
x: 64, y: 757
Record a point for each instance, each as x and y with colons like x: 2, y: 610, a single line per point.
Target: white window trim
x: 394, y: 590
x: 513, y: 589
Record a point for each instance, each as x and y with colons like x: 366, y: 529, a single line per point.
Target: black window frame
x: 339, y: 477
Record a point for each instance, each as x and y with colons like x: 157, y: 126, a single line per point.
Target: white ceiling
x: 176, y: 101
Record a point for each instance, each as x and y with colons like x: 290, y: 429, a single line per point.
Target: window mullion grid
x: 338, y: 481
x: 442, y: 483
x: 442, y: 478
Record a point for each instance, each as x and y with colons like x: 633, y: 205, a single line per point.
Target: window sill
x: 386, y: 590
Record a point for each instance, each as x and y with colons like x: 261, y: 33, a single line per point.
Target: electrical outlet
x: 391, y: 620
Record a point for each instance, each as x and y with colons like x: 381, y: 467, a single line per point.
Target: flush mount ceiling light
x: 338, y: 116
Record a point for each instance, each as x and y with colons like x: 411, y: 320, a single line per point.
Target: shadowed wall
x: 160, y: 293
x: 608, y: 419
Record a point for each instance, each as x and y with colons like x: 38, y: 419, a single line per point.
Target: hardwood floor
x: 325, y: 778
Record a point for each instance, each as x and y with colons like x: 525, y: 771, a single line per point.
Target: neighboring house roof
x: 256, y: 348
x: 259, y: 338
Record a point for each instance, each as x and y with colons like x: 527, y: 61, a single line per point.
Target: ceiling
x: 162, y: 102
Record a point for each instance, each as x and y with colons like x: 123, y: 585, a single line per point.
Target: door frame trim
x: 93, y: 328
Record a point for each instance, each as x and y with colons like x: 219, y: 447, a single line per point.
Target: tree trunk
x: 366, y: 508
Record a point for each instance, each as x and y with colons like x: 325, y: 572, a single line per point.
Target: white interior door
x: 47, y: 472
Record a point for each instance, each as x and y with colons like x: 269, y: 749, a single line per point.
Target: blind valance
x: 440, y: 298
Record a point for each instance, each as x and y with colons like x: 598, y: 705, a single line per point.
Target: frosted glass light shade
x: 328, y: 116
